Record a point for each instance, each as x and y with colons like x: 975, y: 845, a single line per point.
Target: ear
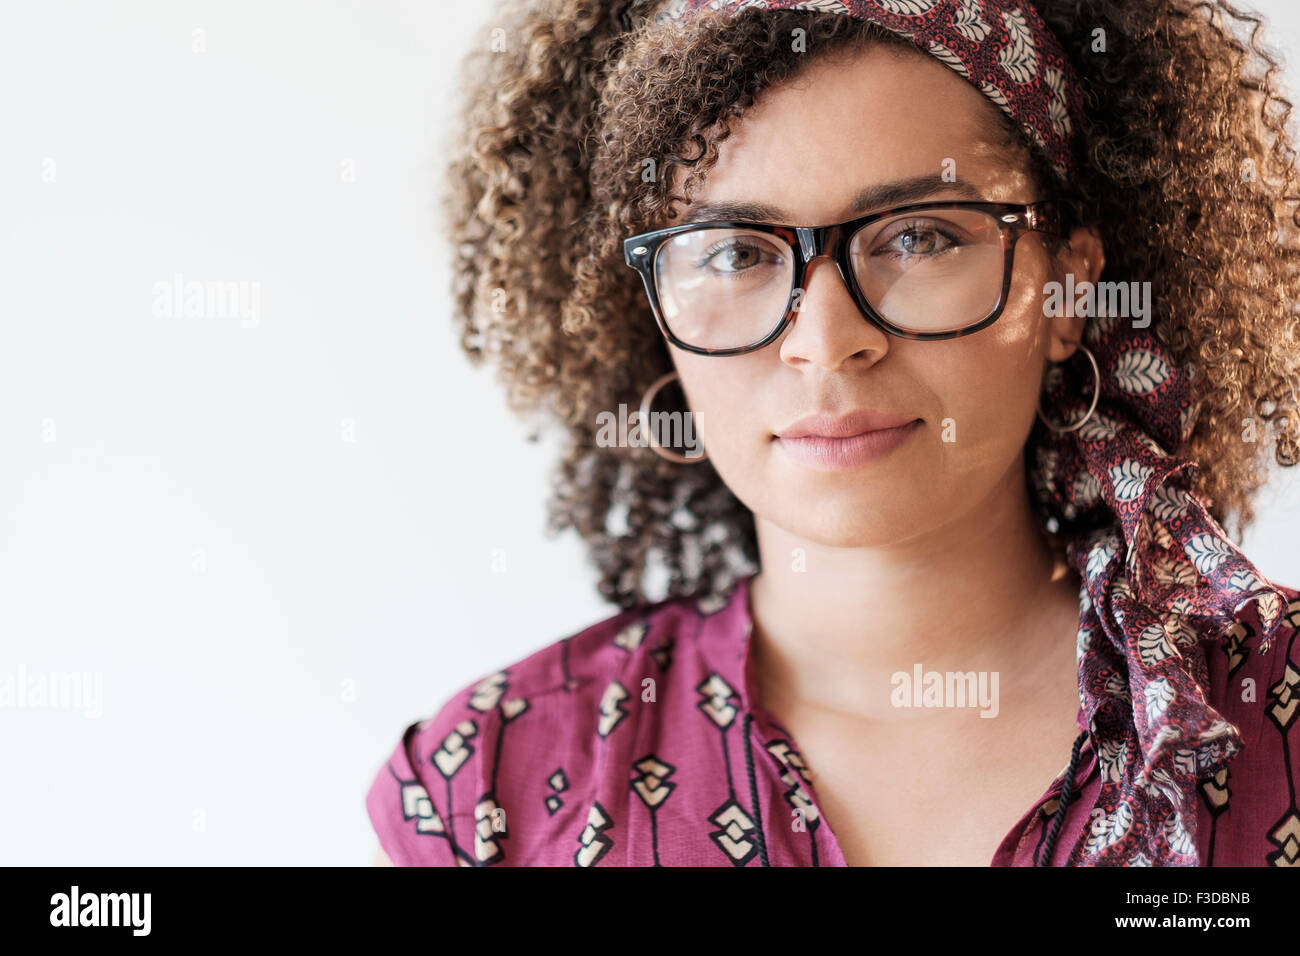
x: 1082, y: 256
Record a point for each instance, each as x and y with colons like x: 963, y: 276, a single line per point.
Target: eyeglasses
x: 933, y: 270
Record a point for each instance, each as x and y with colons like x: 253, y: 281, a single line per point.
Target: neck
x: 981, y: 593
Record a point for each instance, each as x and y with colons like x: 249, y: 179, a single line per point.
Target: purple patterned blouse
x: 559, y: 760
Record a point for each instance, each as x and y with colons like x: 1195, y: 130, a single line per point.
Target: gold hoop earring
x: 658, y: 449
x: 1096, y: 394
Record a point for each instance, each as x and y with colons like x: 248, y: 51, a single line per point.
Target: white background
x: 198, y: 529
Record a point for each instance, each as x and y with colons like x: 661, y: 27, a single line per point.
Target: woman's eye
x: 733, y: 258
x: 920, y: 240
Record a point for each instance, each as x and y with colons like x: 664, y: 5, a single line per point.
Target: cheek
x: 722, y: 396
x: 988, y: 385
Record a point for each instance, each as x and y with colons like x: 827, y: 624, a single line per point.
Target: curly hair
x: 1189, y: 178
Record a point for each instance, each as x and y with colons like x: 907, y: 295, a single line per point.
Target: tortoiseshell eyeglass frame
x: 1013, y: 220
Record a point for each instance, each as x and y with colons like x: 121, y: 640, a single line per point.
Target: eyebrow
x: 878, y: 196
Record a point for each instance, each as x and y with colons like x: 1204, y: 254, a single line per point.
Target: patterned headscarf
x: 1002, y: 49
x: 1159, y: 576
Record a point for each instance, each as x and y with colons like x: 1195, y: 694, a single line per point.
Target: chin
x: 850, y: 522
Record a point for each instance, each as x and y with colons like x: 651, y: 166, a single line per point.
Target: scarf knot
x: 1161, y: 583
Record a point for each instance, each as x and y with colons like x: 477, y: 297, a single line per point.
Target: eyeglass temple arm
x: 1045, y: 217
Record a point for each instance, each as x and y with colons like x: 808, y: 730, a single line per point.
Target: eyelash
x: 903, y: 227
x: 713, y: 250
x: 898, y: 229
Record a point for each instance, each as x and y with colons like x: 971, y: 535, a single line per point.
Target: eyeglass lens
x: 934, y: 271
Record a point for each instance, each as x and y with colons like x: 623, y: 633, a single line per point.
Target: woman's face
x: 806, y: 149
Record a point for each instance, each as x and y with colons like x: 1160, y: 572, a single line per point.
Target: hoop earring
x: 658, y: 449
x: 1096, y: 394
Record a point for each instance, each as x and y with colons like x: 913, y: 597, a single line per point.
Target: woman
x: 946, y: 574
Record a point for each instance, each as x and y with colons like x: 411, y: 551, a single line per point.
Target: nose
x: 829, y: 329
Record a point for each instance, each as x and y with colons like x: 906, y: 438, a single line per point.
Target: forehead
x: 813, y: 144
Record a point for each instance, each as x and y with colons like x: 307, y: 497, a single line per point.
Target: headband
x: 1160, y: 580
x: 1002, y: 48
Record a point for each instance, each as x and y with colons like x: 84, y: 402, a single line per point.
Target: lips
x: 831, y: 443
x: 843, y: 426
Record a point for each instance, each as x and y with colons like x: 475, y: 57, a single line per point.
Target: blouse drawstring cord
x: 1067, y: 794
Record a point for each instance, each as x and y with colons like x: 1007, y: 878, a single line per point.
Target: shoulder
x: 1242, y: 646
x: 1239, y: 660
x: 512, y: 741
x: 1250, y: 804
